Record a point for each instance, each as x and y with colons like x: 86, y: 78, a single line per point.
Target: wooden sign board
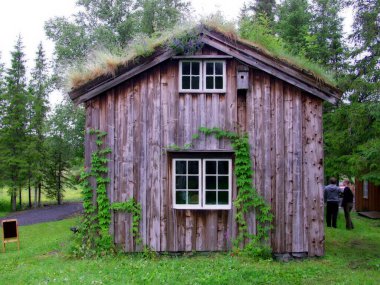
x: 10, y: 232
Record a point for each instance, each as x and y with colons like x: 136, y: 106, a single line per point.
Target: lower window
x: 202, y: 183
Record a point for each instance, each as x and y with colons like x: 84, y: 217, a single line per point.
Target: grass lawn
x: 70, y: 195
x: 352, y: 257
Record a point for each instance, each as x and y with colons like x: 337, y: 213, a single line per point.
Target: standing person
x: 331, y: 195
x: 347, y: 203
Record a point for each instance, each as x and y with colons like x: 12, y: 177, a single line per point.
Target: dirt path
x: 45, y: 214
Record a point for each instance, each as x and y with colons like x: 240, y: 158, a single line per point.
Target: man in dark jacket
x: 347, y: 203
x: 331, y: 195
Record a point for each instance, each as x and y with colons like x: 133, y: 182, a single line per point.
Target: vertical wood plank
x: 298, y: 210
x: 128, y: 156
x: 279, y: 220
x: 313, y: 174
x: 288, y: 126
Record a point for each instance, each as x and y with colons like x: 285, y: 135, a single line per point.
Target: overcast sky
x: 27, y: 18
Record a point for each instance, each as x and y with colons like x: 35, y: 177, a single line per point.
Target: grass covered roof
x: 105, y: 64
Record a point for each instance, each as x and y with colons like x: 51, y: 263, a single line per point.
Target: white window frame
x: 187, y: 206
x: 223, y: 75
x: 222, y: 206
x: 202, y: 184
x: 202, y: 77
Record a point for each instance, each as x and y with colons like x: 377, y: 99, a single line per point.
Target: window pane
x: 180, y: 197
x: 193, y: 197
x: 185, y: 67
x: 209, y: 82
x: 180, y: 167
x: 194, y: 82
x: 222, y: 182
x: 209, y: 68
x: 223, y: 167
x: 185, y: 82
x: 218, y: 68
x: 210, y: 167
x: 193, y: 167
x: 223, y: 197
x: 195, y: 68
x: 193, y: 182
x: 218, y: 82
x: 180, y: 182
x: 210, y: 197
x: 210, y: 182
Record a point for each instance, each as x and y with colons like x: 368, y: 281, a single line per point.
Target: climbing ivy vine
x: 248, y: 199
x: 133, y: 207
x: 94, y: 237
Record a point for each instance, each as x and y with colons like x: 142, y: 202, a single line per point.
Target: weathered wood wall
x: 372, y: 203
x: 146, y: 114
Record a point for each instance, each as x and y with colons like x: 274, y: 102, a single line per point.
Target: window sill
x: 201, y: 208
x: 202, y: 91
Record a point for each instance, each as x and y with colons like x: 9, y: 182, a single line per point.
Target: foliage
x: 293, y: 25
x: 39, y: 88
x: 108, y: 25
x: 133, y: 207
x: 63, y: 146
x: 248, y: 199
x: 258, y: 8
x: 259, y: 34
x: 156, y: 15
x: 14, y: 124
x: 364, y: 79
x: 352, y: 135
x: 351, y: 258
x: 105, y: 62
x: 94, y: 237
x: 326, y: 45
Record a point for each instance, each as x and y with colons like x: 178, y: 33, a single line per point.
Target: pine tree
x: 326, y: 45
x: 294, y: 25
x: 365, y: 78
x: 256, y: 9
x: 39, y: 87
x: 63, y: 144
x: 2, y: 91
x: 14, y: 124
x: 157, y: 15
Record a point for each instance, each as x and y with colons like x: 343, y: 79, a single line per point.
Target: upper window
x: 202, y: 183
x: 202, y: 76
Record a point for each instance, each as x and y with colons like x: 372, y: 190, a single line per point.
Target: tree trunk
x: 30, y: 193
x: 59, y: 198
x: 36, y: 196
x: 13, y: 199
x: 39, y: 194
x: 20, y: 197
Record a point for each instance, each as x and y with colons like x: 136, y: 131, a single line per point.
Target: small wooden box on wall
x: 242, y: 77
x: 10, y: 232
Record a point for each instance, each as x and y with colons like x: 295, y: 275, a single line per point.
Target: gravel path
x: 45, y: 214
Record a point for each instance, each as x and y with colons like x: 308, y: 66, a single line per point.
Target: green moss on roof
x: 104, y: 63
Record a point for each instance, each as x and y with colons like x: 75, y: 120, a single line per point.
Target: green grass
x: 352, y: 257
x: 70, y: 195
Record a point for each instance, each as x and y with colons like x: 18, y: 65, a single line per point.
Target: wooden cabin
x: 187, y: 196
x: 367, y: 196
